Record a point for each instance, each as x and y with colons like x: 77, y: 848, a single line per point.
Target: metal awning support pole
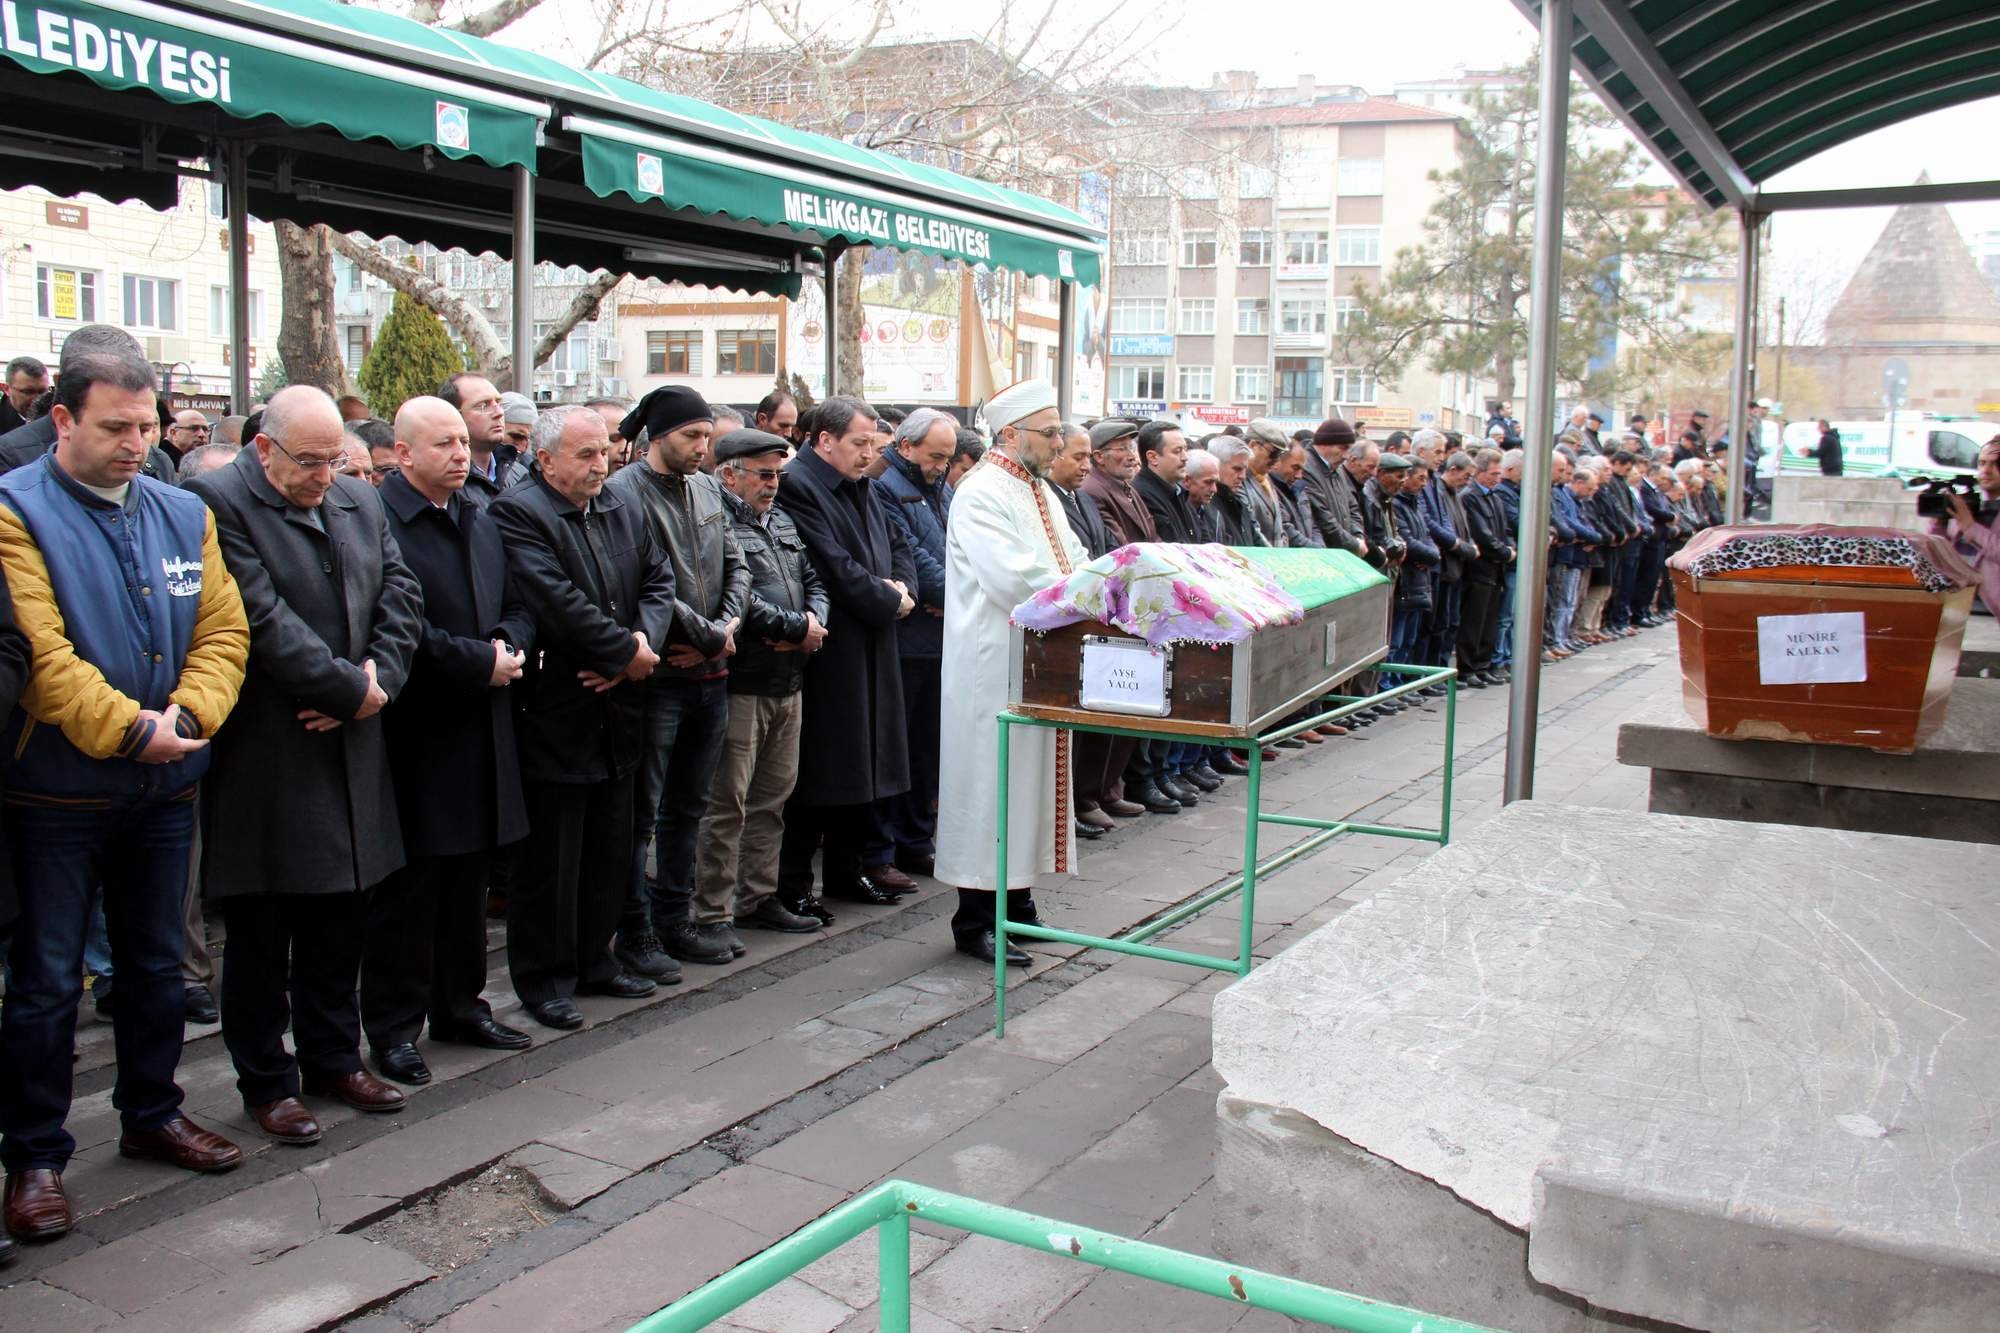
x: 524, y: 281
x: 236, y: 198
x: 1065, y: 348
x: 1538, y: 428
x: 827, y: 271
x: 1743, y: 375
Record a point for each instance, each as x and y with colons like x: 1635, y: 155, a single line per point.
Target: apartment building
x: 1228, y: 282
x: 162, y: 275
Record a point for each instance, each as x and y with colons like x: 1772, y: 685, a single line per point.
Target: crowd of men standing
x: 648, y: 675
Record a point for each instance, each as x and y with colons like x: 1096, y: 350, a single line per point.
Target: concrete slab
x: 565, y: 1179
x: 1754, y: 1097
x: 310, y: 1288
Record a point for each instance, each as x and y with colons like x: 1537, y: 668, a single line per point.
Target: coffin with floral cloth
x: 1219, y: 641
x: 1820, y: 633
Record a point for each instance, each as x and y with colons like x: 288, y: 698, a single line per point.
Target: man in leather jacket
x: 602, y: 594
x: 687, y: 699
x: 784, y: 622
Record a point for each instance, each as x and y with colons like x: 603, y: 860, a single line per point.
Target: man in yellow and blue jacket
x: 137, y: 643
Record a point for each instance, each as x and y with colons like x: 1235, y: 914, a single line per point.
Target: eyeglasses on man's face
x: 340, y: 465
x: 1046, y: 432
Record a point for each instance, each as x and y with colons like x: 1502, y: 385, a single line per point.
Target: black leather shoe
x: 198, y: 1005
x: 1088, y: 832
x: 403, y: 1064
x: 980, y: 946
x: 811, y: 906
x: 486, y: 1032
x: 774, y: 915
x: 558, y: 1013
x: 619, y: 986
x: 1203, y: 777
x: 915, y: 863
x: 860, y: 889
x: 1156, y: 801
x: 1231, y: 765
x: 1186, y: 793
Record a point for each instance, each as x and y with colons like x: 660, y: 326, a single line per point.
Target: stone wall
x: 1877, y: 502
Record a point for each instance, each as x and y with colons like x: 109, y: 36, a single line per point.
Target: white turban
x: 1017, y: 402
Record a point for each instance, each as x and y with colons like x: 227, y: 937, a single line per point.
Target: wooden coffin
x: 1852, y: 654
x: 1223, y: 690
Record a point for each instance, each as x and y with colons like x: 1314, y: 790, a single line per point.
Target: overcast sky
x: 1378, y: 45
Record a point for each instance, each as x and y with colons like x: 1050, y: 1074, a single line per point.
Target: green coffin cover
x: 1315, y: 577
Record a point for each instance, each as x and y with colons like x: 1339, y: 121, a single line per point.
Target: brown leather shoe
x: 1332, y: 729
x: 1096, y: 819
x: 360, y: 1090
x: 890, y: 878
x: 1311, y: 736
x: 1123, y: 809
x: 37, y: 1208
x: 185, y: 1144
x: 287, y: 1121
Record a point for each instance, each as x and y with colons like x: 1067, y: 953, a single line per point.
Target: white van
x: 1924, y: 445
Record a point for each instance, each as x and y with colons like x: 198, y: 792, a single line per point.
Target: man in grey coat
x: 299, y: 813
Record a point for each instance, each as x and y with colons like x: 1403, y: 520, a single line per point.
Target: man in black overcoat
x: 298, y: 808
x: 451, y: 750
x: 852, y: 747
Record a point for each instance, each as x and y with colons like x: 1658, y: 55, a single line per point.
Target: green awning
x: 197, y: 58
x: 681, y: 173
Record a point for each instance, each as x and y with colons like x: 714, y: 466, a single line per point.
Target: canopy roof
x: 630, y: 178
x: 1728, y: 93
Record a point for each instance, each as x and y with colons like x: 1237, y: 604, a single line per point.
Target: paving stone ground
x: 672, y: 1138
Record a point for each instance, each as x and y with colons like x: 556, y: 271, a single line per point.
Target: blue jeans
x: 686, y: 723
x: 1410, y: 637
x: 138, y: 852
x: 1503, y: 638
x: 1564, y: 581
x: 1444, y: 623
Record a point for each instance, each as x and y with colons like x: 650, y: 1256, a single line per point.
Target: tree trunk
x: 846, y: 321
x: 307, y: 340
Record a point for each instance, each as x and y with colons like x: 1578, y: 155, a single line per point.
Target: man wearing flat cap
x: 1007, y: 541
x: 687, y: 698
x: 784, y: 623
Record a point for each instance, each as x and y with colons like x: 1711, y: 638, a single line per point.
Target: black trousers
x: 573, y: 876
x: 292, y: 959
x: 844, y: 829
x: 909, y: 819
x: 976, y: 911
x: 425, y: 949
x: 1479, y: 617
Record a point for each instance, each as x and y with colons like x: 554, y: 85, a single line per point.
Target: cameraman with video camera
x: 1972, y: 533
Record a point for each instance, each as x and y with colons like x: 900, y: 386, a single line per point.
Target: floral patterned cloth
x: 1932, y: 563
x: 1165, y: 593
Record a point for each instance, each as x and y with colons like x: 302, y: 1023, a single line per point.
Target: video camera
x: 1934, y: 494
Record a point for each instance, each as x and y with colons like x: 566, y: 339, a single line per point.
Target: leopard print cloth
x: 1769, y: 550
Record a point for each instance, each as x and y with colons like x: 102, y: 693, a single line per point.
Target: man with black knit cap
x: 687, y: 698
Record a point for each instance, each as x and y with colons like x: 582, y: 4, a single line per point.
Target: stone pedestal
x: 1583, y: 1068
x: 1948, y: 788
x: 1981, y: 654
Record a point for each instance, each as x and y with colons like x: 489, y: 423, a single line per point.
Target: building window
x: 1360, y: 175
x: 577, y: 352
x: 65, y: 294
x: 1253, y: 314
x: 746, y: 351
x: 1302, y: 314
x: 1252, y: 384
x: 1346, y: 313
x: 1139, y: 314
x: 354, y: 347
x: 1197, y: 384
x: 152, y: 303
x: 1305, y: 178
x: 1197, y: 314
x: 219, y: 314
x: 1054, y: 363
x: 1352, y: 384
x: 1024, y: 362
x: 1253, y: 249
x: 673, y: 352
x: 1360, y: 245
x: 1197, y: 249
x: 1148, y: 382
x: 1254, y: 181
x: 1140, y: 247
x: 1299, y: 392
x: 1305, y: 248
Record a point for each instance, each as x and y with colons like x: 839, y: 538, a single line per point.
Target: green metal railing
x: 892, y: 1205
x: 1414, y: 678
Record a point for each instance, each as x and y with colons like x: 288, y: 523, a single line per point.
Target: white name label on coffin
x: 1124, y: 678
x: 1828, y: 649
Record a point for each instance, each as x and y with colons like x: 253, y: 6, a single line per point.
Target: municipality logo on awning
x: 652, y: 179
x: 454, y: 126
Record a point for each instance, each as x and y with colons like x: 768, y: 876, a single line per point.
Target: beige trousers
x: 736, y: 851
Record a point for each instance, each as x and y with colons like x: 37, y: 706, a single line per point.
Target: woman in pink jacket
x: 1977, y: 541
